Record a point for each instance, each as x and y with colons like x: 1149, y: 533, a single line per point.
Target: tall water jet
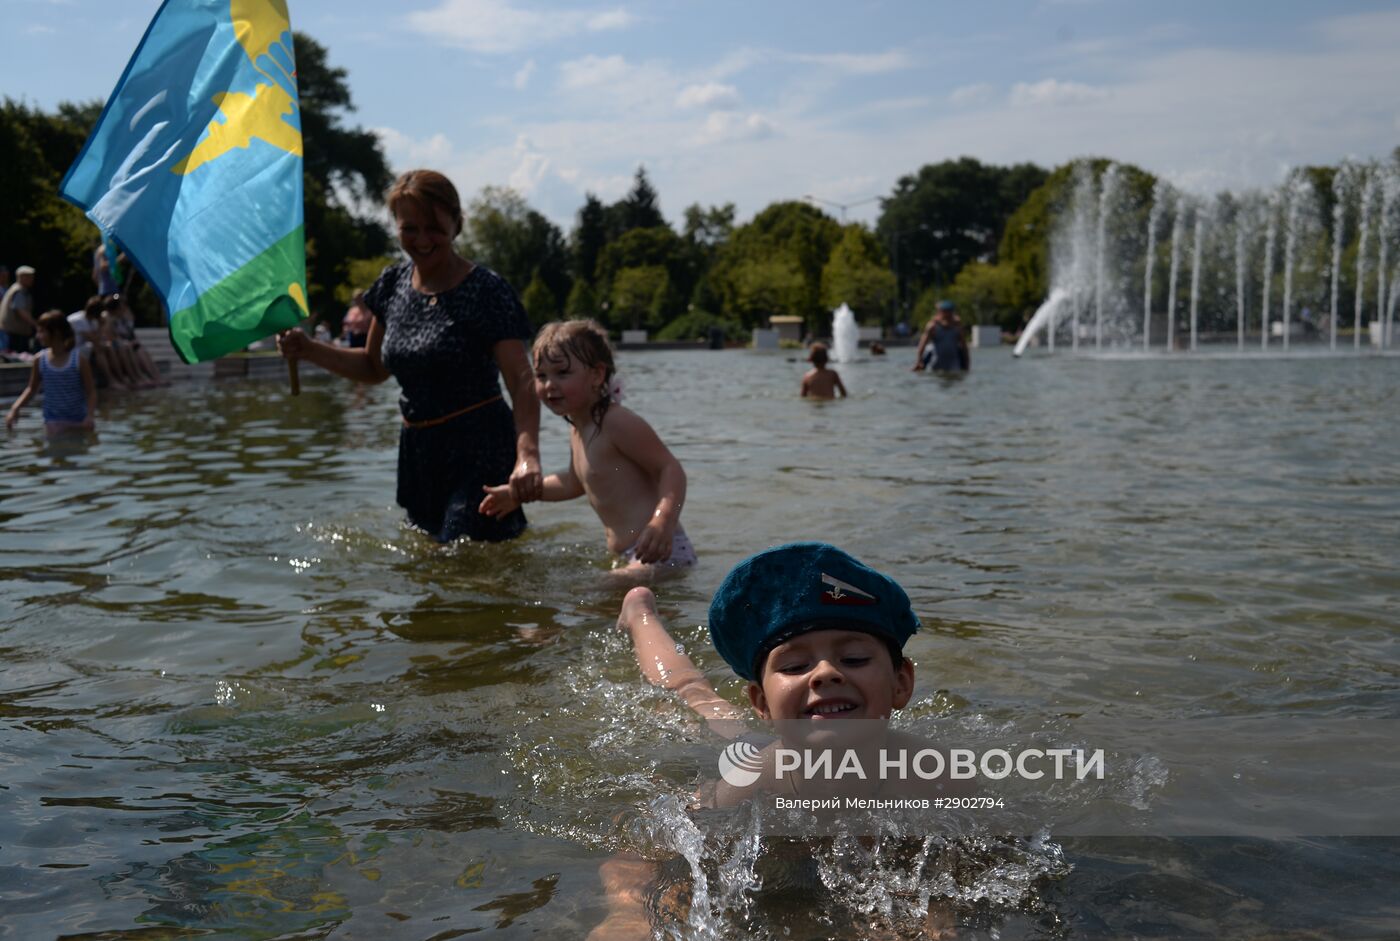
x: 1199, y: 238
x: 1160, y: 194
x: 1294, y: 191
x: 1241, y: 227
x: 1270, y: 234
x: 1368, y: 202
x: 1081, y: 239
x: 1385, y: 226
x: 1178, y: 230
x: 1342, y: 185
x: 1108, y: 191
x: 845, y: 335
x: 1387, y: 180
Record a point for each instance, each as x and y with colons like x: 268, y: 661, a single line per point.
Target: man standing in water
x: 942, y: 346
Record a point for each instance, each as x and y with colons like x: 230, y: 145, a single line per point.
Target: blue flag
x: 195, y: 168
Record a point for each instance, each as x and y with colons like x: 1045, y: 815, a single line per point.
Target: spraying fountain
x: 845, y: 335
x: 1263, y: 266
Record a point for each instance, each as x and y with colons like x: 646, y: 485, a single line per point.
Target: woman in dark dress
x: 445, y: 327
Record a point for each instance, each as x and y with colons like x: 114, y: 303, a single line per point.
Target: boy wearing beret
x: 820, y: 638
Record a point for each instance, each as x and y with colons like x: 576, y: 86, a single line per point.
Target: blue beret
x: 788, y: 590
x: 945, y: 305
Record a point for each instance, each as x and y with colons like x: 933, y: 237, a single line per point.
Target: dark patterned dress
x: 439, y: 348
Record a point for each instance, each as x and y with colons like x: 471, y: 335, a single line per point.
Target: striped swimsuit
x: 64, y: 399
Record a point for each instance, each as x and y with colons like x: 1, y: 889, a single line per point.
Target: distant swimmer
x: 821, y: 382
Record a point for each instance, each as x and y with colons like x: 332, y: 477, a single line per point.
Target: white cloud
x: 499, y: 26
x: 522, y: 75
x: 592, y: 71
x: 405, y: 152
x: 727, y: 126
x: 1053, y: 92
x: 610, y: 19
x: 856, y: 64
x: 708, y: 95
x: 977, y: 94
x: 1207, y: 116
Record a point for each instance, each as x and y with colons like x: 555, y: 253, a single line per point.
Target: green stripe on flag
x: 266, y: 295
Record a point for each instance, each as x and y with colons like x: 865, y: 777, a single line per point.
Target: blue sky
x: 752, y: 102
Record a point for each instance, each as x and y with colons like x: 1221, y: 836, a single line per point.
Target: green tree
x: 343, y: 167
x: 950, y: 213
x: 589, y: 236
x: 708, y: 228
x: 502, y: 231
x: 360, y: 273
x: 856, y: 274
x: 634, y: 294
x: 703, y: 297
x: 705, y: 232
x: 984, y: 294
x: 639, y: 209
x: 657, y: 246
x: 788, y: 241
x: 539, y: 301
x: 696, y: 325
x: 666, y: 303
x: 41, y: 229
x: 758, y: 288
x: 582, y: 302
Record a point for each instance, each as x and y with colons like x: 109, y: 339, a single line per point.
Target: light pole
x: 841, y: 206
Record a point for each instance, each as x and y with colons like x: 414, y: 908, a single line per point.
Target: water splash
x: 845, y: 335
x: 1044, y: 319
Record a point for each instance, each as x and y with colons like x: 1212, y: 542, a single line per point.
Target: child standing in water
x: 70, y: 395
x: 633, y: 482
x: 820, y: 382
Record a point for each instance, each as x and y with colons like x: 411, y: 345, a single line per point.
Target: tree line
x: 973, y: 232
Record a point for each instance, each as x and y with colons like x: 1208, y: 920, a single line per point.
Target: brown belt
x: 430, y: 422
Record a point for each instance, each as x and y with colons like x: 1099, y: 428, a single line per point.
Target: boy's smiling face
x: 831, y: 674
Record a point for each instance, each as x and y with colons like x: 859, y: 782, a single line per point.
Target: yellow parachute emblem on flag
x: 260, y: 25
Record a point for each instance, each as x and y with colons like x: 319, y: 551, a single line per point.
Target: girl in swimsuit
x: 633, y: 482
x: 70, y: 394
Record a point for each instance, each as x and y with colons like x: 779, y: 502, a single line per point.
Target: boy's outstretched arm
x: 665, y: 665
x: 840, y: 386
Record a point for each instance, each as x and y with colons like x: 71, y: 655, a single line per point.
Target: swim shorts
x: 682, y: 552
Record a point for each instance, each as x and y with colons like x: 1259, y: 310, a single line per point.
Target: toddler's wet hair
x: 818, y: 356
x: 584, y: 343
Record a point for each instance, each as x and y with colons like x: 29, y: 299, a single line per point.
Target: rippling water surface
x: 239, y: 698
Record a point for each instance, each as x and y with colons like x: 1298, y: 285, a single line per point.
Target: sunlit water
x: 239, y: 698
